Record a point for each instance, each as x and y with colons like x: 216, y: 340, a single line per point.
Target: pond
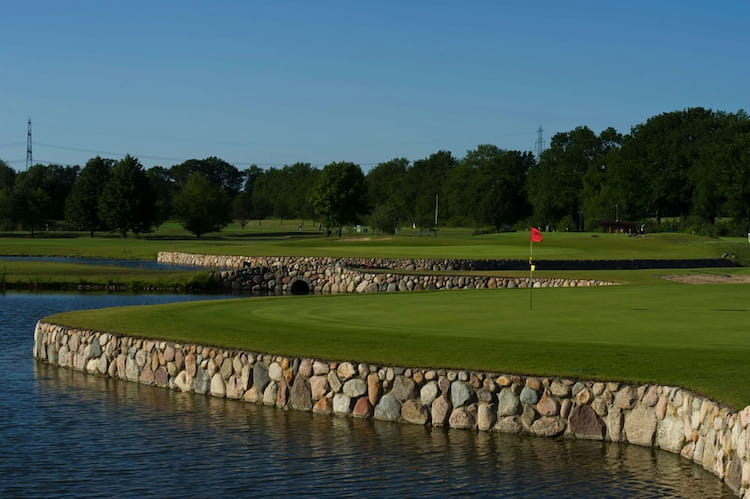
x: 66, y: 433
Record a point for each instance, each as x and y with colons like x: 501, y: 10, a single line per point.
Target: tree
x: 39, y: 194
x: 7, y: 180
x: 242, y: 208
x: 495, y: 185
x: 299, y: 181
x: 267, y: 194
x: 569, y: 171
x: 384, y: 218
x: 339, y: 195
x: 164, y: 188
x: 425, y: 180
x: 7, y: 176
x: 284, y: 192
x: 722, y: 173
x: 127, y: 202
x: 201, y: 206
x: 385, y: 186
x: 82, y: 205
x: 216, y: 170
x: 658, y: 158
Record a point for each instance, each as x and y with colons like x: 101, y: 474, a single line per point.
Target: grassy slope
x: 35, y: 274
x: 693, y: 336
x: 449, y: 244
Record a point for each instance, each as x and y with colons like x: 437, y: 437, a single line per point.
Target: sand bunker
x: 709, y: 278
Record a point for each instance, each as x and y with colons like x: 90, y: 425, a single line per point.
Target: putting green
x: 673, y: 334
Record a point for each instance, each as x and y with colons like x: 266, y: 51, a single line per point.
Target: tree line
x: 680, y: 170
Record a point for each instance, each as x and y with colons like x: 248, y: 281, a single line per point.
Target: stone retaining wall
x: 303, y: 275
x: 439, y: 265
x: 669, y: 418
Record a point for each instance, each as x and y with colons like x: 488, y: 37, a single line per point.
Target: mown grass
x: 652, y: 330
x: 38, y: 274
x: 682, y: 335
x: 283, y: 240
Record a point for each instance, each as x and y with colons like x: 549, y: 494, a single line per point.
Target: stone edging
x: 669, y: 418
x: 325, y: 275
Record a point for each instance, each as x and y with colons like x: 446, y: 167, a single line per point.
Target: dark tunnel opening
x: 299, y: 287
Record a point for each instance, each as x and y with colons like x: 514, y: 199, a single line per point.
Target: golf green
x: 676, y: 334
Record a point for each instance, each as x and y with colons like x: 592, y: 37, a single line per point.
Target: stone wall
x: 303, y: 275
x: 669, y: 418
x: 224, y: 261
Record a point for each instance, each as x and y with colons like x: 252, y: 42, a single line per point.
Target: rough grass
x: 455, y: 244
x: 682, y: 335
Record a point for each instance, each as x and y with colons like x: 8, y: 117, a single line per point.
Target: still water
x: 68, y: 434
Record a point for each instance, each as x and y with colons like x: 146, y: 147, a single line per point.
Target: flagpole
x: 531, y: 274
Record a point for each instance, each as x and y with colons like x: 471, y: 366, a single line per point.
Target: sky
x: 276, y: 82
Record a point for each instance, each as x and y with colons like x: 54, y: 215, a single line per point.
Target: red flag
x: 536, y: 236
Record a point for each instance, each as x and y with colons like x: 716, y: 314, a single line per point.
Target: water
x: 69, y: 434
x: 134, y: 264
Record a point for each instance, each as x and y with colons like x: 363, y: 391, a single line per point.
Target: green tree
x: 201, y: 206
x: 164, y: 188
x: 597, y: 195
x: 386, y: 187
x: 242, y: 204
x: 385, y: 218
x: 216, y: 170
x: 658, y: 158
x: 127, y: 202
x: 570, y: 178
x: 722, y: 173
x: 339, y: 195
x: 7, y: 176
x: 266, y: 197
x: 425, y: 180
x: 555, y: 185
x: 7, y: 180
x: 300, y: 179
x: 39, y: 195
x: 242, y: 208
x: 82, y: 205
x: 494, y: 185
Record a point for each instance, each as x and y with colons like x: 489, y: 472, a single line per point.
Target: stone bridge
x: 326, y: 275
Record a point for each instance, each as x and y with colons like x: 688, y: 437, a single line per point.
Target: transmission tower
x: 29, y: 160
x: 539, y: 143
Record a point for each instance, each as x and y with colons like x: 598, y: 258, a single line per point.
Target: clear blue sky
x: 276, y: 82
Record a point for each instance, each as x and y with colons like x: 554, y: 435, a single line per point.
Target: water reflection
x: 129, y: 435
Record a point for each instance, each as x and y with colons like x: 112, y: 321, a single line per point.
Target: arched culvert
x: 299, y: 286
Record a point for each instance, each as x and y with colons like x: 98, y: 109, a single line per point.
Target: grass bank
x: 455, y: 243
x: 42, y: 275
x: 674, y: 334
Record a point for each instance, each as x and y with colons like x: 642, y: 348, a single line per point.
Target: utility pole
x: 29, y: 160
x: 436, y: 214
x: 539, y: 143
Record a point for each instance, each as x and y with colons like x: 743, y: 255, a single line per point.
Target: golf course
x: 647, y: 330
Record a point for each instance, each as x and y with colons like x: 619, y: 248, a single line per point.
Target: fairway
x: 673, y: 334
x: 408, y: 244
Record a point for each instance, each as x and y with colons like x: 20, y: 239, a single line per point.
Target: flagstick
x: 531, y: 275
